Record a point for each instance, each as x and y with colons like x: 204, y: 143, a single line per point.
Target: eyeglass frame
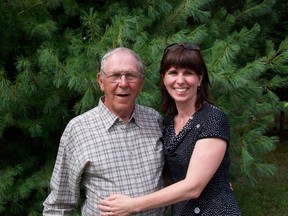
x: 189, y: 46
x: 119, y: 74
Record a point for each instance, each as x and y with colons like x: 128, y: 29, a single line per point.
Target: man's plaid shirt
x: 107, y: 156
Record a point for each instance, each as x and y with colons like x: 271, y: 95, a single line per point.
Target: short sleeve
x: 215, y: 125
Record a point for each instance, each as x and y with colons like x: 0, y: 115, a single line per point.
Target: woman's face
x: 181, y: 84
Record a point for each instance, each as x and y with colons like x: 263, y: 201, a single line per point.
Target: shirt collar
x: 109, y: 119
x: 137, y: 116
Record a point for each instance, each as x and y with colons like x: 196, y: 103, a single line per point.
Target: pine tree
x: 49, y: 57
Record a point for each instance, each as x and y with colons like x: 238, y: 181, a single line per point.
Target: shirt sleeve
x: 215, y: 126
x: 65, y: 180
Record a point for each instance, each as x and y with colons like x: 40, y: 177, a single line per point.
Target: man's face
x: 120, y: 96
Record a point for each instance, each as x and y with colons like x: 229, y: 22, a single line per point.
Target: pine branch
x: 252, y: 10
x: 180, y: 13
x: 91, y: 21
x: 31, y: 7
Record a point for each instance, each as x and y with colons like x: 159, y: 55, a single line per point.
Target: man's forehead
x: 121, y: 54
x: 123, y: 59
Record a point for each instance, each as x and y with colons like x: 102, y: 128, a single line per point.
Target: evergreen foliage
x: 50, y: 53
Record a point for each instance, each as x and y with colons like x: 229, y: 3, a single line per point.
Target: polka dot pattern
x: 217, y: 198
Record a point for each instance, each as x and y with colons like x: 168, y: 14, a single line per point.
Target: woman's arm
x: 205, y: 160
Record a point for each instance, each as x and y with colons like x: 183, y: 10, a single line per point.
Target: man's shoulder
x: 147, y: 111
x: 91, y: 114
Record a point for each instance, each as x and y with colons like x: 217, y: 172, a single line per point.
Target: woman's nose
x: 180, y: 78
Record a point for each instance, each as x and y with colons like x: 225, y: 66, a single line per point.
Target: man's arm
x: 65, y: 181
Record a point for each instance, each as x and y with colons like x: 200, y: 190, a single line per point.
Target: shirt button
x: 197, y: 210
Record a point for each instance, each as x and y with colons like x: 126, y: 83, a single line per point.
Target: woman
x: 196, y: 144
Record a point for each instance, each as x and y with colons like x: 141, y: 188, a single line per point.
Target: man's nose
x: 123, y: 80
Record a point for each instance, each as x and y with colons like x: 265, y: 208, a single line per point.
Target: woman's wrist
x: 136, y: 205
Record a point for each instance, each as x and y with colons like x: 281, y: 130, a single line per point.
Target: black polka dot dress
x: 217, y: 198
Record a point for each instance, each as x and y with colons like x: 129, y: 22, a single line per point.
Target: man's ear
x: 142, y: 82
x: 100, y: 81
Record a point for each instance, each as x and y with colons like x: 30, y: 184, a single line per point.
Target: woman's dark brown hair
x: 188, y: 56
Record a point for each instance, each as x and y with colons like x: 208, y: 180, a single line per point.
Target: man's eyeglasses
x: 115, y: 76
x: 189, y: 46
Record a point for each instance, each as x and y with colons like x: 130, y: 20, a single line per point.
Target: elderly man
x: 112, y: 148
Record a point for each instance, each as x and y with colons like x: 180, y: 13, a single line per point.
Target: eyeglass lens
x: 115, y: 77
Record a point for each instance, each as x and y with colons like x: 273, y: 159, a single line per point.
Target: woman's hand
x: 116, y: 204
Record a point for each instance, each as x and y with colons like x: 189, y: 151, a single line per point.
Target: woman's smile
x: 180, y: 90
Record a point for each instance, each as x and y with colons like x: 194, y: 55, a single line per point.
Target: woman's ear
x: 163, y: 80
x: 200, y: 79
